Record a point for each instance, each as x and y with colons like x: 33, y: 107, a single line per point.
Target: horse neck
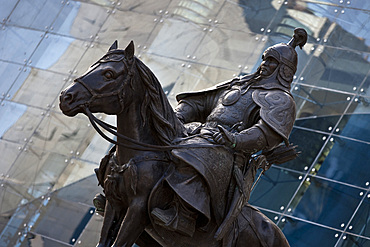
x: 129, y: 124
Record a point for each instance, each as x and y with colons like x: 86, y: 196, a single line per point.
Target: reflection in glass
x: 325, y: 202
x: 304, y: 234
x: 309, y: 144
x: 344, y: 160
x: 275, y: 189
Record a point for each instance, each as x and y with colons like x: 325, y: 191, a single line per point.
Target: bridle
x: 136, y: 145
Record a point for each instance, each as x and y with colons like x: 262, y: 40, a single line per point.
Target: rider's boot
x: 99, y: 202
x: 177, y: 218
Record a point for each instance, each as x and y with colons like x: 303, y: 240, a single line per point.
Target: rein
x: 136, y: 145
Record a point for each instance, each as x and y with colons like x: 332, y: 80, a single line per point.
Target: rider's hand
x: 225, y: 137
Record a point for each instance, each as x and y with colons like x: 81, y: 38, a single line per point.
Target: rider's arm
x: 259, y: 136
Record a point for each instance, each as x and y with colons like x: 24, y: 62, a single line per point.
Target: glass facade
x: 47, y: 162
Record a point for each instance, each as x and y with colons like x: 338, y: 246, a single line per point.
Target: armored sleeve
x: 196, y: 107
x: 258, y: 137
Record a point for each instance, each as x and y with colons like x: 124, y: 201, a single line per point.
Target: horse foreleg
x: 108, y: 223
x: 133, y: 224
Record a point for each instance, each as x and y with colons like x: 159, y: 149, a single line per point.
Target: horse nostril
x: 68, y: 97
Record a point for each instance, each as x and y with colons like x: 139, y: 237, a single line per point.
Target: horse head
x: 104, y: 87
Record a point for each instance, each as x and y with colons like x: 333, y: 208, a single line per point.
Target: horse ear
x: 114, y: 46
x: 130, y: 50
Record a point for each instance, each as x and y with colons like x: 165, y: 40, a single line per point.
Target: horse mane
x: 155, y: 109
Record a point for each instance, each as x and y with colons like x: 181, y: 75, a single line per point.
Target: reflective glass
x: 71, y: 219
x: 335, y: 73
x: 144, y: 6
x: 89, y: 17
x: 177, y: 39
x: 11, y: 150
x: 9, y: 72
x: 355, y: 126
x: 18, y: 122
x: 314, y: 102
x: 324, y: 202
x: 126, y: 26
x: 198, y: 12
x: 360, y: 222
x: 350, y: 167
x: 38, y: 14
x: 304, y: 234
x: 275, y: 189
x: 17, y: 44
x: 350, y: 241
x: 58, y: 53
x: 229, y: 49
x: 322, y: 123
x: 41, y: 96
x: 309, y: 144
x: 6, y: 8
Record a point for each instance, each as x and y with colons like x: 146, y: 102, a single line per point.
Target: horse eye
x: 108, y: 74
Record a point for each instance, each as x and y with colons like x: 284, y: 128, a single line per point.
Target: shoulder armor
x: 277, y: 110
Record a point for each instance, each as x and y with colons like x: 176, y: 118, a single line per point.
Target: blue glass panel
x: 309, y: 144
x: 302, y: 234
x: 314, y: 102
x: 360, y: 224
x: 8, y: 73
x: 17, y: 44
x: 322, y: 123
x: 355, y: 126
x: 325, y: 202
x: 71, y: 218
x: 38, y: 14
x: 353, y: 241
x: 345, y: 160
x: 275, y: 189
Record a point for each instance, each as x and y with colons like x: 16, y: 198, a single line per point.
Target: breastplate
x: 233, y: 106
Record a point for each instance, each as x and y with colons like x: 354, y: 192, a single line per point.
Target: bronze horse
x: 120, y: 84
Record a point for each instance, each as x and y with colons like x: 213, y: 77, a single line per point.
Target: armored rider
x: 246, y: 115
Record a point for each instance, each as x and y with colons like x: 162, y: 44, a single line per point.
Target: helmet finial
x: 299, y: 38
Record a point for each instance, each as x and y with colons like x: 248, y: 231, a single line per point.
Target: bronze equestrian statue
x: 184, y: 177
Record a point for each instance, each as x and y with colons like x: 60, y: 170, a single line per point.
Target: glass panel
x: 144, y: 6
x: 322, y: 123
x: 50, y: 85
x: 126, y: 26
x: 335, y: 73
x: 360, y: 223
x: 353, y: 241
x: 37, y: 240
x: 228, y: 49
x: 199, y: 11
x: 355, y: 126
x: 71, y: 219
x: 314, y: 102
x: 58, y: 53
x: 304, y: 234
x: 175, y: 38
x: 12, y: 151
x: 89, y: 17
x: 19, y: 222
x: 59, y: 133
x: 8, y: 72
x: 275, y: 189
x: 38, y: 14
x: 309, y: 144
x: 325, y: 202
x: 18, y: 122
x: 248, y: 15
x: 6, y: 8
x: 350, y: 168
x: 17, y: 44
